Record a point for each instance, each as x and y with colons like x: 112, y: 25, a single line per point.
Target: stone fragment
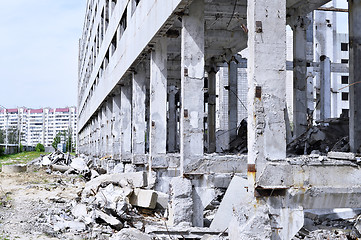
x: 144, y: 198
x: 79, y: 164
x: 110, y: 220
x: 16, y: 168
x: 163, y: 199
x: 181, y: 204
x: 235, y: 195
x: 342, y: 155
x: 130, y: 233
x: 250, y: 221
x: 135, y: 179
x: 46, y: 161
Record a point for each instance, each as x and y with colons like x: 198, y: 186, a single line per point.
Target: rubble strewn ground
x: 64, y: 197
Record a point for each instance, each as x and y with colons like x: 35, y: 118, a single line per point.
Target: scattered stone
x: 130, y: 233
x: 235, y: 195
x: 108, y: 219
x: 79, y: 164
x: 342, y: 155
x: 144, y: 198
x: 181, y: 204
x: 16, y: 168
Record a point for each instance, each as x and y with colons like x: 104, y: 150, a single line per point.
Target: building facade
x: 39, y: 125
x: 148, y: 96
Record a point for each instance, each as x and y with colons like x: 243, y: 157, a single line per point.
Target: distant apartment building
x: 39, y: 125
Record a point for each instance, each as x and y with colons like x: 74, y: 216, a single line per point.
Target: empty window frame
x: 344, y: 79
x: 344, y: 96
x: 344, y: 60
x: 344, y: 47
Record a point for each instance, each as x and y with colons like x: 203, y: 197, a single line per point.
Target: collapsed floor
x: 80, y: 199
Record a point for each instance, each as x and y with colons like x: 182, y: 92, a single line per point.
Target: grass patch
x: 19, y: 158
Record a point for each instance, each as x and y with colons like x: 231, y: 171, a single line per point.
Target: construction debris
x: 327, y: 136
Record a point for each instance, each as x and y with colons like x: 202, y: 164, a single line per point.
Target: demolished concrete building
x: 147, y: 100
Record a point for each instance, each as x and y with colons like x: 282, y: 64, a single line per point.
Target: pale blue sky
x: 39, y: 52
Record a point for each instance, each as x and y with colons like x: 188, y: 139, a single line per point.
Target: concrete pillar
x: 325, y: 85
x: 299, y: 28
x: 192, y: 82
x: 266, y: 82
x: 355, y: 74
x: 139, y: 124
x: 212, y: 110
x: 98, y: 135
x: 116, y: 131
x: 158, y: 99
x: 109, y: 123
x: 103, y: 131
x: 232, y: 100
x: 126, y: 121
x: 172, y: 119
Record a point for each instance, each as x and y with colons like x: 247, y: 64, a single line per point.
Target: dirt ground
x: 29, y: 200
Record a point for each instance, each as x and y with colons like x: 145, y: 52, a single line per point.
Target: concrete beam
x: 355, y: 74
x: 192, y: 80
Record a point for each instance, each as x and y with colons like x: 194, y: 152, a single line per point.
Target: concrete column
x: 325, y: 85
x: 172, y: 119
x: 192, y: 82
x: 232, y: 100
x: 103, y: 131
x: 126, y: 122
x: 109, y: 122
x: 139, y: 124
x: 212, y: 110
x: 98, y: 135
x: 299, y: 28
x: 266, y: 82
x: 158, y: 99
x: 355, y: 74
x: 116, y: 131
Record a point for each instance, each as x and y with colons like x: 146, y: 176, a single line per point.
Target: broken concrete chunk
x: 181, y: 187
x: 79, y: 211
x: 144, y: 198
x: 108, y: 219
x: 249, y: 222
x: 342, y: 155
x: 16, y: 168
x: 136, y: 179
x: 79, y: 164
x: 163, y: 199
x: 130, y: 233
x: 46, y: 161
x: 235, y: 195
x: 181, y: 207
x: 109, y: 196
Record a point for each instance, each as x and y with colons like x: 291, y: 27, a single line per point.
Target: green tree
x: 69, y: 141
x: 56, y: 141
x: 40, y: 147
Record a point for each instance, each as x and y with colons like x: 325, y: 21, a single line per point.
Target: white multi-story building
x: 39, y: 125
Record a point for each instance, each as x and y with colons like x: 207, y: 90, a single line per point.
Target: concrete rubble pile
x: 341, y: 224
x: 329, y: 135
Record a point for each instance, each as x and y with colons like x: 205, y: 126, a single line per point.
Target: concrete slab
x: 236, y: 195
